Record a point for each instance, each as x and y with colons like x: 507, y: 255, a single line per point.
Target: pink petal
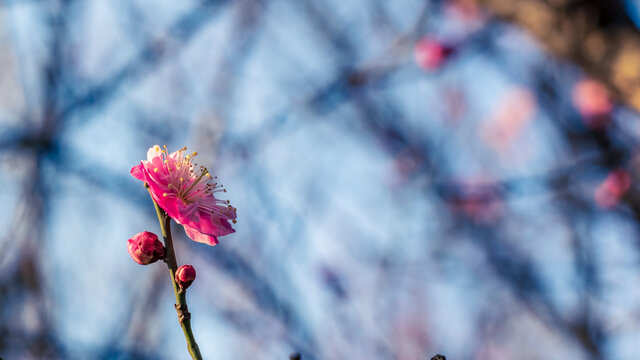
x: 154, y: 152
x: 137, y: 172
x: 211, y: 224
x: 197, y: 236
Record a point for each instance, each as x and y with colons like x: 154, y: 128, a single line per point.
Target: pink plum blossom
x: 593, y: 102
x: 508, y: 120
x: 430, y: 54
x: 186, y: 193
x: 612, y: 189
x: 145, y: 248
x: 185, y: 275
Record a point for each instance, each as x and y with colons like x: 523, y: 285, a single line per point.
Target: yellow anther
x: 188, y: 157
x: 181, y: 179
x: 165, y: 194
x: 194, y: 153
x: 155, y: 169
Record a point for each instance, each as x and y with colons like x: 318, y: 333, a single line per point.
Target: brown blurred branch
x: 595, y: 35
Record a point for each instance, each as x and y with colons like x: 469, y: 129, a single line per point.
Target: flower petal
x: 197, y: 236
x: 154, y: 152
x: 210, y: 224
x: 138, y: 172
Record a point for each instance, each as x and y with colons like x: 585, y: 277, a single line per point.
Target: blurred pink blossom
x: 186, y: 193
x: 593, y: 102
x: 464, y: 10
x: 507, y: 121
x: 478, y: 200
x: 145, y: 248
x: 612, y: 189
x: 430, y: 54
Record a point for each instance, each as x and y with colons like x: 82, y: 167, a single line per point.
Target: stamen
x: 194, y: 183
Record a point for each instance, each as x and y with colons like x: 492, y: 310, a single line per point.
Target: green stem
x: 181, y: 295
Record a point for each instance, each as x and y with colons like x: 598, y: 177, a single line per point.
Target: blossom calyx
x: 185, y: 276
x: 145, y: 248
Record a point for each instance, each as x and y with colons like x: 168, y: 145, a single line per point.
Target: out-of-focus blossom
x: 477, y: 200
x: 507, y: 121
x: 593, y: 102
x: 185, y: 275
x: 186, y: 193
x: 463, y: 10
x: 430, y: 53
x: 145, y: 248
x: 612, y: 189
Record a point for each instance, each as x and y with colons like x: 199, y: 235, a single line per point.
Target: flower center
x: 189, y: 181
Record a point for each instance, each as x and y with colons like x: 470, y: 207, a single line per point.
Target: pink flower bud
x: 185, y: 276
x: 430, y: 54
x: 145, y: 248
x: 612, y: 189
x: 593, y: 102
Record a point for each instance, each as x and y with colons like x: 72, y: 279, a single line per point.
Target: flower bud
x: 185, y: 276
x: 430, y: 54
x: 593, y: 101
x: 613, y: 189
x: 145, y: 248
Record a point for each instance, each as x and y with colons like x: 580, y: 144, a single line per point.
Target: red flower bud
x: 430, y: 54
x: 613, y: 188
x: 185, y: 276
x: 145, y: 248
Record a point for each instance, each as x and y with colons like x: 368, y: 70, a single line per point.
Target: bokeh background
x: 411, y: 177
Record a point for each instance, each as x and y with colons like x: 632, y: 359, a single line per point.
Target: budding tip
x: 145, y: 248
x: 185, y: 275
